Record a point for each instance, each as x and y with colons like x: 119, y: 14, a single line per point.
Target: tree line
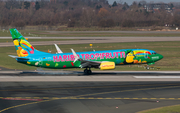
x: 85, y: 13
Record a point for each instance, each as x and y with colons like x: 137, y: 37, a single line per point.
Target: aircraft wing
x: 58, y: 49
x: 85, y: 63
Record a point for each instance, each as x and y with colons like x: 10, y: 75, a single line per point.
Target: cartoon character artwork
x: 137, y: 56
x: 23, y: 47
x: 130, y: 57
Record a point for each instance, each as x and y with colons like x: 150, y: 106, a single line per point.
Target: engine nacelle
x: 107, y: 65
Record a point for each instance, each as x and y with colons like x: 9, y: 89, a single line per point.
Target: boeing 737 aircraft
x: 103, y: 60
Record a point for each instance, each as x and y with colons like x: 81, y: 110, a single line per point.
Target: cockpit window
x: 154, y: 53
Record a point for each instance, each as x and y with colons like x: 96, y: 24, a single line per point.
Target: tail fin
x: 23, y: 47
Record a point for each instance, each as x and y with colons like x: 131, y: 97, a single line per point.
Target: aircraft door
x: 40, y: 62
x: 145, y: 54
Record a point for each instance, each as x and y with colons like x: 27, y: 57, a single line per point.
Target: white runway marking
x: 156, y: 76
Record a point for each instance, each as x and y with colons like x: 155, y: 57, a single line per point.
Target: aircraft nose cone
x: 160, y: 56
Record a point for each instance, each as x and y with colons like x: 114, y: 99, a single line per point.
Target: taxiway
x: 86, y: 97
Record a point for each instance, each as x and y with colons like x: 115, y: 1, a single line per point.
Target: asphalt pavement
x: 86, y: 97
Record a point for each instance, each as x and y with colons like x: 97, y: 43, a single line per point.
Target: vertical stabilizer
x: 23, y: 47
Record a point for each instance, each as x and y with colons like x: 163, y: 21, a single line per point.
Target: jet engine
x: 107, y: 65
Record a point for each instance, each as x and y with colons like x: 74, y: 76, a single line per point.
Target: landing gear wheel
x: 85, y: 71
x: 89, y: 72
x: 147, y: 68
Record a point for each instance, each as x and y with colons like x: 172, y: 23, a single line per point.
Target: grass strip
x: 37, y: 40
x: 38, y: 33
x: 167, y: 109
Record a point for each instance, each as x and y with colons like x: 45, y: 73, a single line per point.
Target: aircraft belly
x: 59, y: 65
x: 51, y: 64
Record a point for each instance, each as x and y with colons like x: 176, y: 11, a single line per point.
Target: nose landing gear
x: 87, y: 71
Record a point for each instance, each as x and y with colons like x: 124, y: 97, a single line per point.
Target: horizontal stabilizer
x: 18, y: 58
x: 13, y: 56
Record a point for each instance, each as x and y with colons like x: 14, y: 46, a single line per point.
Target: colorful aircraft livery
x: 103, y: 60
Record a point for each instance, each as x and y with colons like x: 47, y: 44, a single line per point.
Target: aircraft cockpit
x: 154, y: 53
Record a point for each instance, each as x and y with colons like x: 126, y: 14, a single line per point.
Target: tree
x: 110, y: 23
x: 114, y: 4
x: 128, y: 23
x: 71, y: 23
x: 65, y: 3
x: 37, y: 6
x: 134, y: 3
x: 98, y: 7
x: 171, y: 5
x: 103, y: 13
x: 106, y: 23
x: 27, y: 4
x: 88, y: 17
x: 18, y: 23
x: 125, y: 6
x: 12, y: 4
x: 139, y: 5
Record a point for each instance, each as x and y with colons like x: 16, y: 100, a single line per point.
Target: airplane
x: 104, y: 60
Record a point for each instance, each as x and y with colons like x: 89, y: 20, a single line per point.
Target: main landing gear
x: 147, y: 67
x: 87, y: 71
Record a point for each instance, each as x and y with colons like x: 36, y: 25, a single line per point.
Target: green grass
x: 38, y: 33
x: 35, y: 40
x: 110, y: 35
x: 167, y: 109
x: 170, y: 51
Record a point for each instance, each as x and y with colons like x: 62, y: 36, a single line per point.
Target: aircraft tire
x: 85, y: 71
x: 89, y: 72
x: 147, y: 68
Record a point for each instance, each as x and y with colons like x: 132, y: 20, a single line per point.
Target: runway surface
x: 88, y: 40
x: 86, y: 97
x: 74, y: 92
x: 97, y: 76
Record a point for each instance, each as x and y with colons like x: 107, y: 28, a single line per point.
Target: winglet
x: 58, y: 49
x: 75, y: 55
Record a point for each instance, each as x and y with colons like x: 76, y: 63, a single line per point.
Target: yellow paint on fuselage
x: 28, y: 62
x: 129, y: 58
x: 144, y: 61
